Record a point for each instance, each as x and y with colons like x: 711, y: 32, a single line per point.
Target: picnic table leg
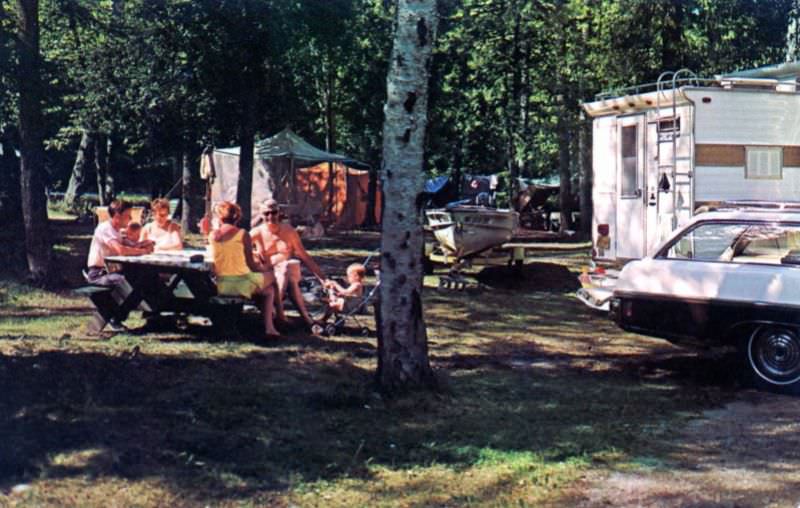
x: 225, y: 320
x: 96, y: 323
x: 105, y: 306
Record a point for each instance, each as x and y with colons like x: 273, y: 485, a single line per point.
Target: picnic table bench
x: 177, y: 282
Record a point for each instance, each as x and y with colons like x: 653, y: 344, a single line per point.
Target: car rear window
x: 707, y: 242
x: 736, y: 243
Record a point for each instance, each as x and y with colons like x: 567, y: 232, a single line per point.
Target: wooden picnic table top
x: 172, y: 259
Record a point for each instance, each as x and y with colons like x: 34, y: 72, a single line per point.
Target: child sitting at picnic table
x: 237, y: 272
x: 132, y: 237
x: 342, y: 299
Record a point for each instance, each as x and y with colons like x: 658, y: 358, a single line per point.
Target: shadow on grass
x: 528, y: 371
x: 221, y: 428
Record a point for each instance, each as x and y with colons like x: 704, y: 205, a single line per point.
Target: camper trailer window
x: 670, y: 124
x: 764, y: 163
x: 629, y: 183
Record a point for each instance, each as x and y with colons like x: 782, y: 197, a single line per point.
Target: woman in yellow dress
x: 237, y: 272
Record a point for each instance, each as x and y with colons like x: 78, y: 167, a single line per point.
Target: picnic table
x: 175, y: 282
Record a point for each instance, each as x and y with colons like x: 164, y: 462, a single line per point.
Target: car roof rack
x: 752, y: 206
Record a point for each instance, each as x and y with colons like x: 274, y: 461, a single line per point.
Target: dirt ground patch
x: 745, y: 454
x: 543, y: 276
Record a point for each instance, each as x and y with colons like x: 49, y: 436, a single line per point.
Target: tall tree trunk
x: 565, y: 191
x: 77, y: 179
x: 31, y: 129
x: 10, y: 185
x: 585, y: 195
x: 101, y: 166
x: 793, y: 33
x: 191, y: 195
x: 330, y: 136
x: 244, y: 190
x: 513, y: 114
x: 402, y: 337
x: 672, y: 53
x: 372, y: 198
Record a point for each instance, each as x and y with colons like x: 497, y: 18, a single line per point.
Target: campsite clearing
x: 543, y: 403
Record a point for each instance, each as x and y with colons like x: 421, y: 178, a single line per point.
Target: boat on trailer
x: 466, y: 230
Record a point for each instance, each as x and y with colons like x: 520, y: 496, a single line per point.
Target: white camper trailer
x: 663, y: 151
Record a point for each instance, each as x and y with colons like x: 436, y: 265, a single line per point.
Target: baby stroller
x: 337, y: 320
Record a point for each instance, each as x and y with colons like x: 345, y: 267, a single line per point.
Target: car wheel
x: 773, y: 354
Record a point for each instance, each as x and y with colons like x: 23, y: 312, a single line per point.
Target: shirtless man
x: 278, y: 245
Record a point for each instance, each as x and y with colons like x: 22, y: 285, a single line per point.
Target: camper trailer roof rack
x: 654, y: 86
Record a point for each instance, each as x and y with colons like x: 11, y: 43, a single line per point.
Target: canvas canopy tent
x: 292, y: 171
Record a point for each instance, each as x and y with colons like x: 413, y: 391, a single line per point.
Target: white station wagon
x: 725, y: 279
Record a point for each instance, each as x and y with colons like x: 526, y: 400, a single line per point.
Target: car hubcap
x: 774, y: 354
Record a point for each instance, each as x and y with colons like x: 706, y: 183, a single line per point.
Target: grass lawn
x: 537, y: 393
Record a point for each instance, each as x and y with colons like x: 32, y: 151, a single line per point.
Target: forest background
x: 133, y: 90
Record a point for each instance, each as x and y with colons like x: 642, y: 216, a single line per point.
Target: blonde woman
x: 165, y: 234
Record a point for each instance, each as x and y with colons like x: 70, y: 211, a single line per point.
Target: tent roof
x: 289, y: 145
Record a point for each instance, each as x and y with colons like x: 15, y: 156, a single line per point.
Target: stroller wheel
x: 365, y: 331
x: 330, y: 329
x: 317, y: 329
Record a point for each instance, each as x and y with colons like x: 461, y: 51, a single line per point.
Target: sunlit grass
x: 536, y: 392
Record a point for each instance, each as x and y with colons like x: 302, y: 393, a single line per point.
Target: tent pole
x: 331, y: 194
x: 292, y: 183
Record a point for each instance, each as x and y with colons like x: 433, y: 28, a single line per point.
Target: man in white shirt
x: 108, y: 241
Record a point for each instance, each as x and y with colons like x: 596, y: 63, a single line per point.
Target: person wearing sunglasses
x: 278, y: 245
x: 237, y: 271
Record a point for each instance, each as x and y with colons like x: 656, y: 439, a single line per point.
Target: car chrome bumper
x: 595, y: 298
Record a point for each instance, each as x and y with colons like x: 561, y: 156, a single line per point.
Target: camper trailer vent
x: 764, y: 163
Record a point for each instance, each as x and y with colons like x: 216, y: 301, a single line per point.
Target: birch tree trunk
x: 77, y: 179
x: 793, y: 34
x: 101, y: 166
x: 402, y: 337
x: 31, y: 128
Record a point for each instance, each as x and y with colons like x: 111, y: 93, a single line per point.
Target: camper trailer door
x: 630, y: 186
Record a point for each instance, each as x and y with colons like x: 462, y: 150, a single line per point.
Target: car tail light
x: 603, y: 229
x: 600, y: 270
x: 627, y: 309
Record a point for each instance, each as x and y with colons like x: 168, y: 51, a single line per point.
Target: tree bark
x: 77, y: 179
x: 565, y: 191
x: 402, y: 338
x: 513, y: 115
x: 10, y: 185
x: 330, y: 138
x: 244, y: 190
x: 101, y: 166
x: 192, y: 203
x: 793, y: 34
x: 585, y: 195
x: 372, y: 198
x: 31, y: 129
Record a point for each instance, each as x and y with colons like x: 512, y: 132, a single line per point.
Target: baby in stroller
x: 344, y: 302
x: 345, y: 299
